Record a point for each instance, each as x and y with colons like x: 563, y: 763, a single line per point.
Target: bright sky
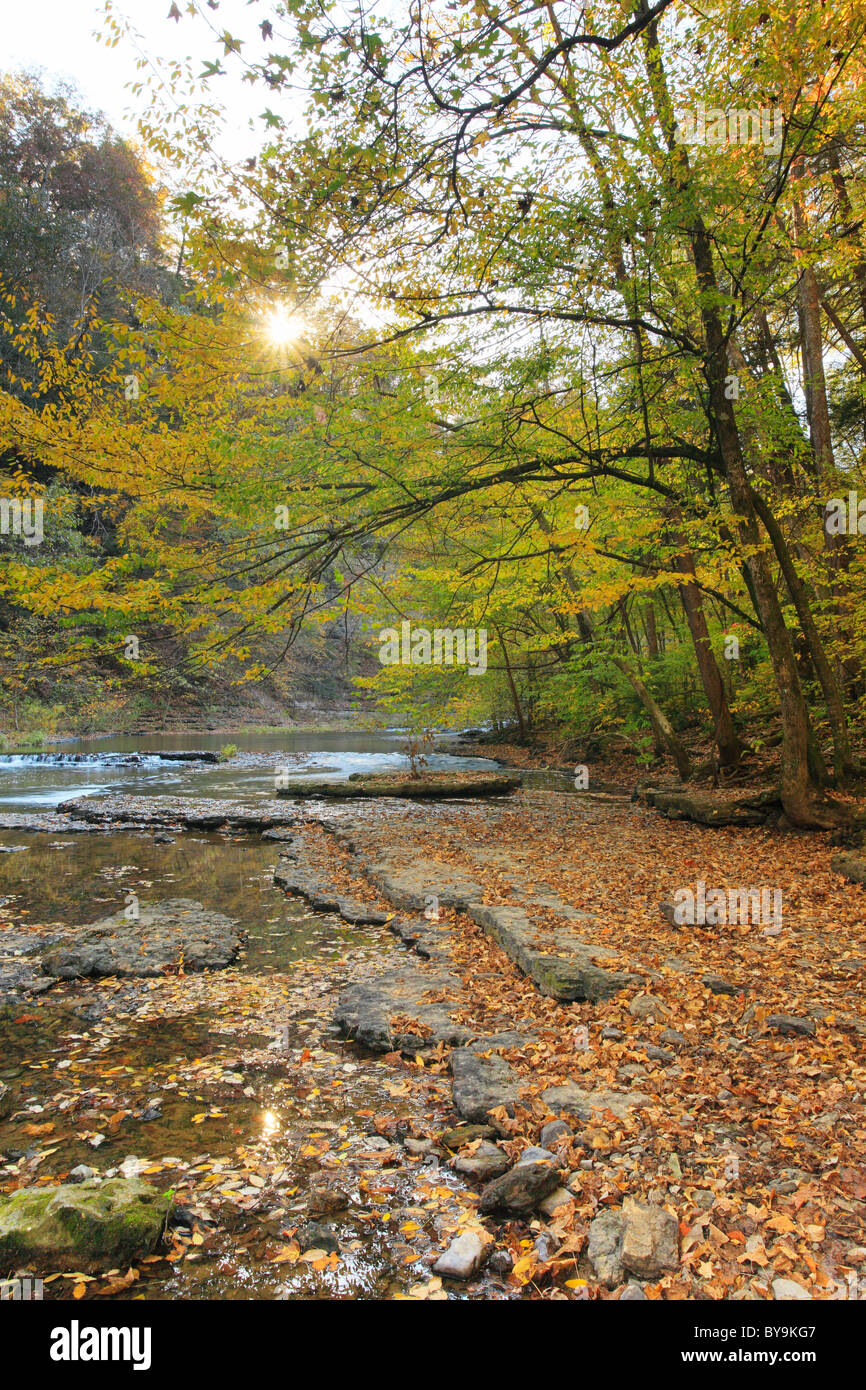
x: 57, y: 36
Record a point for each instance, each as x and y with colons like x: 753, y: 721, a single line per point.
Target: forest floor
x: 753, y: 1056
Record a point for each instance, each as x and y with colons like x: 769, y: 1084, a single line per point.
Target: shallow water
x: 39, y: 781
x: 83, y: 1046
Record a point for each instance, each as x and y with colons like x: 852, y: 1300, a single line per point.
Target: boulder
x: 520, y: 1190
x: 604, y: 1247
x: 326, y: 1199
x: 567, y: 969
x: 116, y: 1220
x: 369, y: 1010
x: 650, y: 1242
x: 313, y: 1235
x: 639, y: 1237
x: 559, y: 1197
x: 553, y: 1130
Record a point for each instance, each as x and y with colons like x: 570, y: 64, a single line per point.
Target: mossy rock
x: 115, y: 1220
x: 434, y: 786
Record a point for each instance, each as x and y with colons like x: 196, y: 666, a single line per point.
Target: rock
x: 546, y: 1246
x: 610, y: 1034
x: 647, y: 1006
x: 501, y: 1262
x: 485, y: 1163
x: 417, y: 1146
x: 553, y: 1130
x: 659, y: 1054
x: 604, y: 1247
x: 672, y: 1038
x: 161, y: 934
x: 639, y: 1237
x: 536, y: 1155
x: 463, y: 1257
x: 367, y: 1011
x: 434, y: 786
x: 559, y: 1197
x: 567, y: 969
x: 851, y: 866
x: 650, y: 1239
x: 465, y: 1134
x: 521, y: 1189
x: 668, y: 910
x: 632, y: 1293
x: 482, y: 1084
x: 572, y: 1099
x: 116, y: 1221
x: 315, y: 1236
x: 81, y: 1173
x: 326, y: 1199
x: 132, y: 812
x: 717, y: 984
x: 789, y: 1023
x: 790, y: 1290
x: 5, y: 1099
x: 162, y: 837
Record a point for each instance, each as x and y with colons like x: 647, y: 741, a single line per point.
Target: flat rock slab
x: 483, y: 1084
x: 377, y: 1013
x: 324, y: 897
x: 51, y: 821
x: 116, y: 1220
x: 178, y: 811
x: 567, y: 969
x: 572, y: 1099
x: 20, y: 964
x: 162, y: 934
x: 434, y: 788
x: 412, y: 881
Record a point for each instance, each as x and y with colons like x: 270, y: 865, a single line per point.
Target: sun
x: 283, y: 327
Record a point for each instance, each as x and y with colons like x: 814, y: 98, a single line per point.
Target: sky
x: 57, y: 36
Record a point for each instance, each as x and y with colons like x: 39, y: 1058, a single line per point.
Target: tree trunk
x: 728, y: 743
x: 661, y: 725
x: 800, y: 795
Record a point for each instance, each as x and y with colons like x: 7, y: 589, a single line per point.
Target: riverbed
x: 231, y: 1086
